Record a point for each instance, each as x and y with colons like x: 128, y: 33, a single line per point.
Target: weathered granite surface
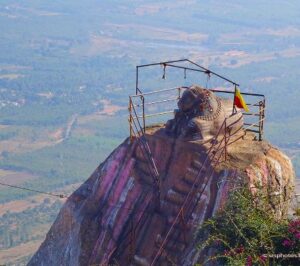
x: 91, y: 226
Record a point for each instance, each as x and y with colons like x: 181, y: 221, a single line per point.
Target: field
x: 67, y: 68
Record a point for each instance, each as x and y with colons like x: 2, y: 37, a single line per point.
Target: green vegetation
x: 68, y: 162
x: 28, y: 225
x: 7, y: 134
x: 246, y: 232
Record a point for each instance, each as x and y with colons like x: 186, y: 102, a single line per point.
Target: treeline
x: 31, y: 224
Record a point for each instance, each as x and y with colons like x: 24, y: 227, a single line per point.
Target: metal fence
x: 254, y: 119
x: 156, y: 107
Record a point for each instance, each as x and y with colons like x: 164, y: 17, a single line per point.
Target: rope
x: 66, y: 196
x: 208, y: 81
x: 34, y: 190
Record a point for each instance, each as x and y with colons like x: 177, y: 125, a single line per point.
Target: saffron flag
x: 239, y: 100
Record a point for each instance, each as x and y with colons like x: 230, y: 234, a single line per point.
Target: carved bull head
x: 187, y: 100
x: 193, y: 98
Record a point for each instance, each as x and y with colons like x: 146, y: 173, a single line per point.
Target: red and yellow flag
x: 239, y: 100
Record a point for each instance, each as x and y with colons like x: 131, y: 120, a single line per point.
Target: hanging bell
x: 164, y: 72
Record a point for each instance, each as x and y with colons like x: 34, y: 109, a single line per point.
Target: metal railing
x: 253, y: 120
x: 139, y: 107
x: 128, y: 239
x: 137, y: 131
x: 186, y: 65
x: 215, y: 154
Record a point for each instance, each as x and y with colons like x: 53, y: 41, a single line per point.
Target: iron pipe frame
x: 172, y: 64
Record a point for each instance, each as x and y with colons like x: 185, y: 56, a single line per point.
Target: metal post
x: 143, y: 108
x: 137, y: 80
x: 184, y: 226
x: 179, y: 93
x: 130, y: 119
x: 164, y: 71
x: 261, y: 119
x: 233, y: 105
x: 225, y: 138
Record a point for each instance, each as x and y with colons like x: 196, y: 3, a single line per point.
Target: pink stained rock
x: 92, y: 227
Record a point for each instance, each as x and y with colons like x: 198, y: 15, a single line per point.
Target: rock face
x: 92, y: 225
x: 112, y: 217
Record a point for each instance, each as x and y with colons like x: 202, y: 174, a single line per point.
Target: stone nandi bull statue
x: 200, y: 115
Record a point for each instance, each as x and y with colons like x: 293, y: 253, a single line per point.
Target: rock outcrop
x: 112, y: 217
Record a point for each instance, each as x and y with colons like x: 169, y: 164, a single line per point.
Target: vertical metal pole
x: 233, y: 105
x: 179, y: 93
x: 137, y: 80
x: 259, y: 124
x: 164, y: 72
x: 184, y: 226
x: 130, y: 119
x: 225, y: 138
x: 182, y: 215
x: 261, y: 117
x: 144, y: 119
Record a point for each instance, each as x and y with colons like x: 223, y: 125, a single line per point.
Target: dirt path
x: 68, y: 129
